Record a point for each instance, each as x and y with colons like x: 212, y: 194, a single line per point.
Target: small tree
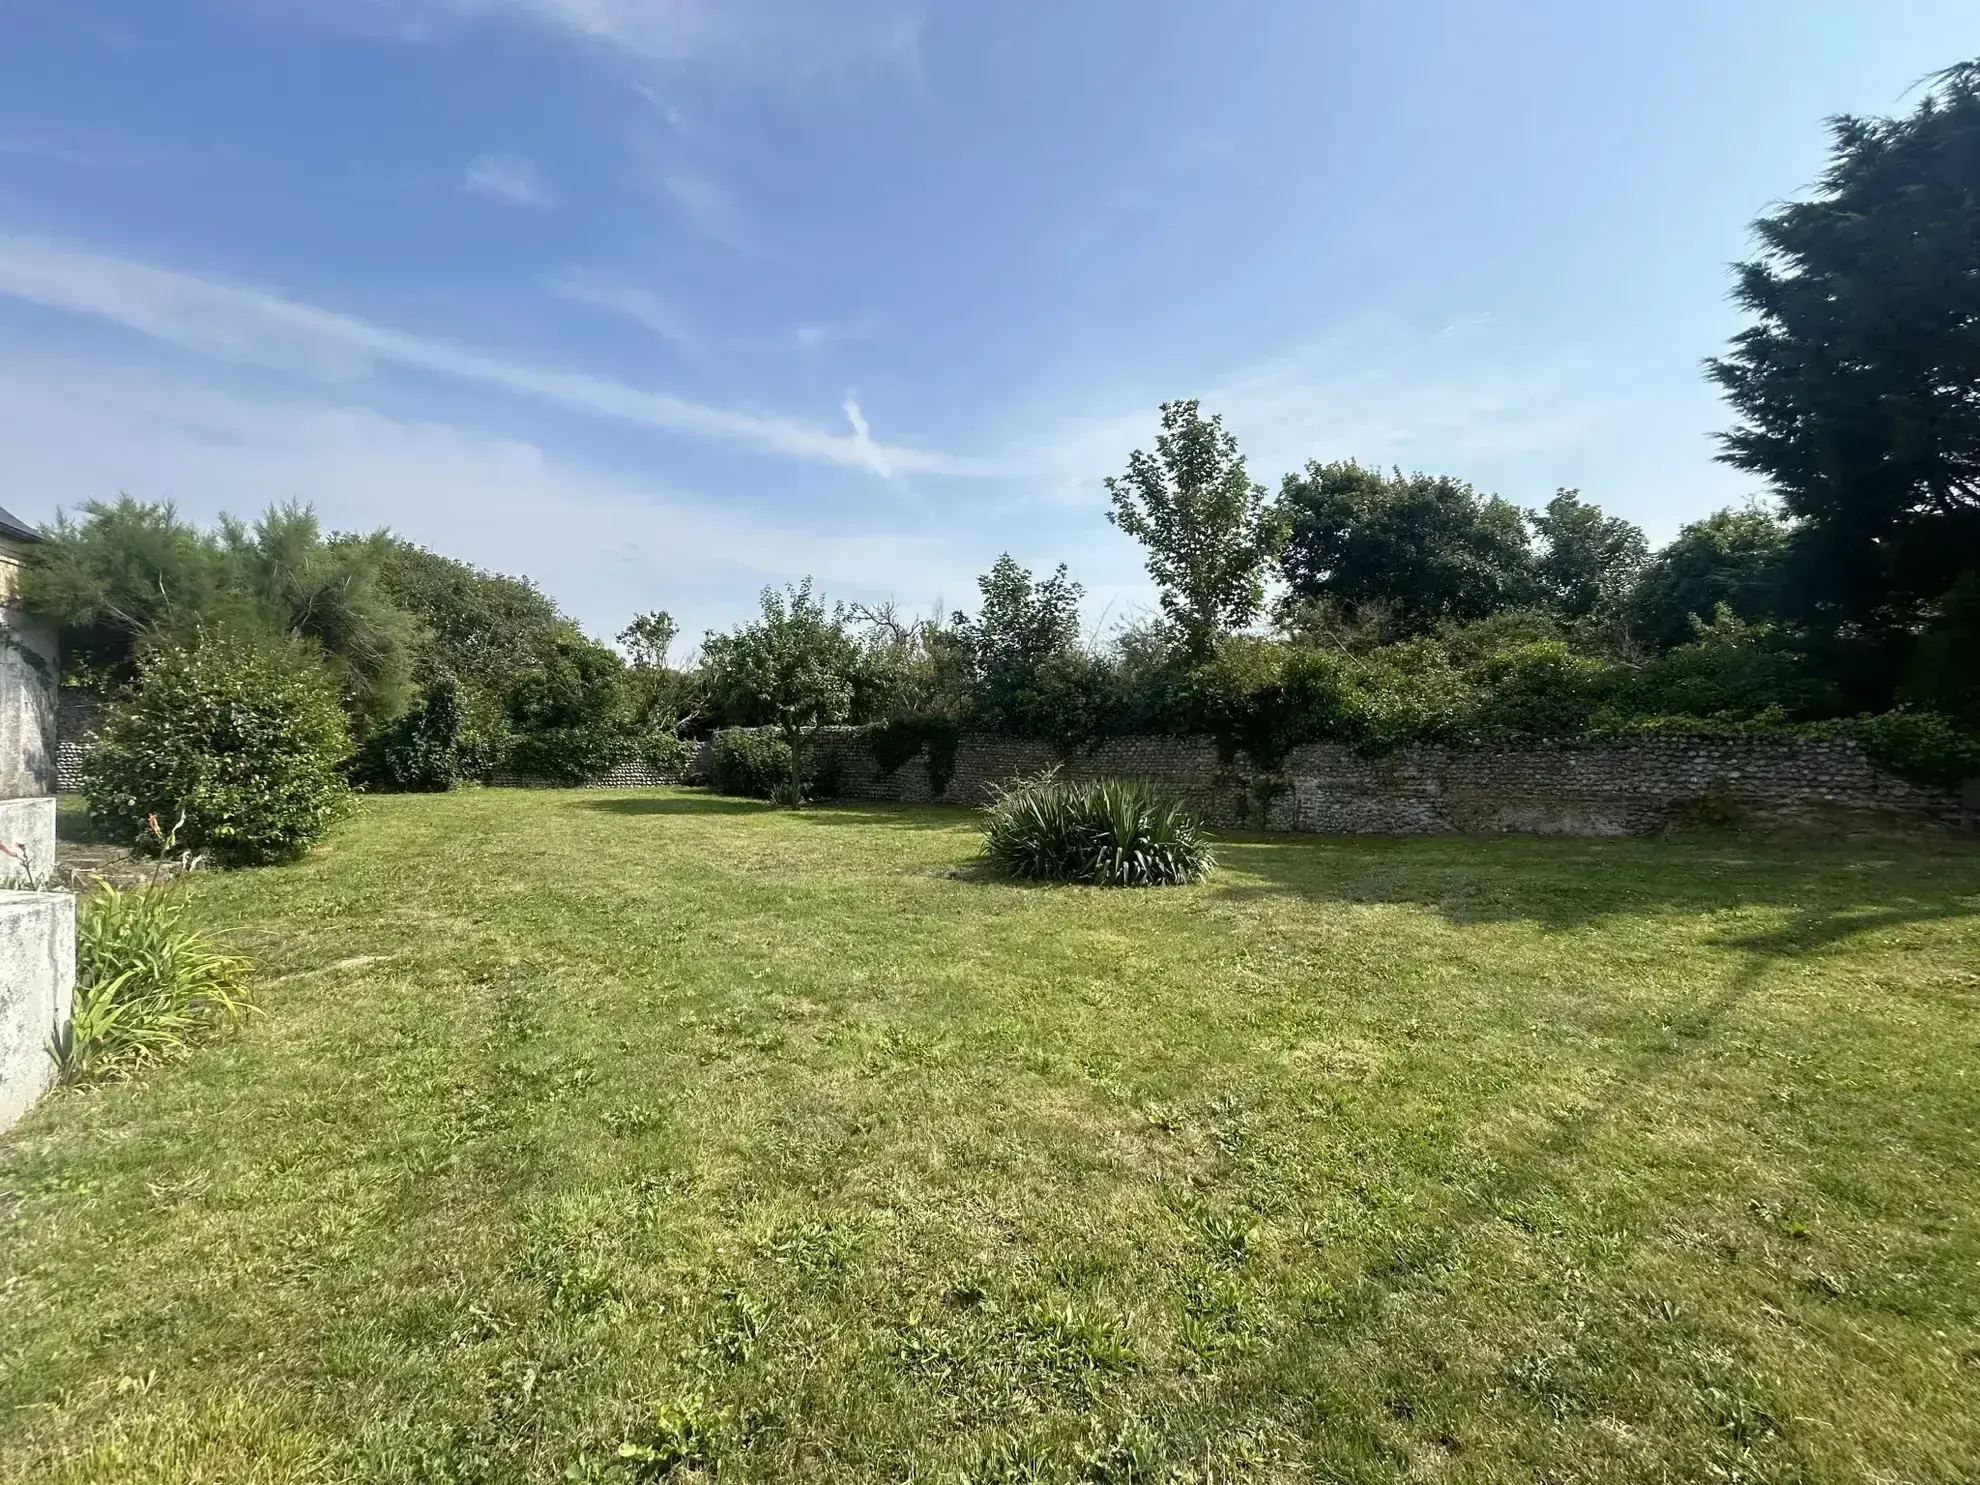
x: 794, y: 667
x: 1208, y: 529
x: 570, y: 711
x: 1416, y: 550
x: 1020, y: 626
x: 1732, y: 559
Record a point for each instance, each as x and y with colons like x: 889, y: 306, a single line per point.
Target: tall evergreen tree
x: 1858, y: 385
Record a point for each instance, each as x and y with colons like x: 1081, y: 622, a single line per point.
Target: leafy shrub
x: 458, y: 734
x: 148, y: 985
x: 1944, y: 674
x: 1110, y: 833
x: 1730, y: 669
x: 1267, y: 699
x: 239, y: 737
x: 664, y: 753
x: 1921, y: 745
x: 1540, y: 689
x: 420, y: 753
x: 750, y: 763
x: 570, y: 713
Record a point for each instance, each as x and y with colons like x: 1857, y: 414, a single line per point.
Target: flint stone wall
x: 631, y: 775
x: 1576, y: 787
x: 80, y: 713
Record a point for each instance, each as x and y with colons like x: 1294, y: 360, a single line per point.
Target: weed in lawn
x: 683, y: 1435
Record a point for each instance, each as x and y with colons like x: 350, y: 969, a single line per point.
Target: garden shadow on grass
x: 907, y: 816
x: 676, y: 804
x: 1567, y: 883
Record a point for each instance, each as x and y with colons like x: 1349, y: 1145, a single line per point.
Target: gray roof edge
x: 16, y: 530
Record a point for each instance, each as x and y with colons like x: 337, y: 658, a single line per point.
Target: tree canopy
x: 1731, y: 559
x: 793, y: 667
x: 1590, y: 561
x: 1020, y: 627
x: 1207, y: 529
x: 1857, y: 387
x: 1419, y: 550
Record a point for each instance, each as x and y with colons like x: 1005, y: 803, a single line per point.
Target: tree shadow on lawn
x: 1835, y: 891
x: 909, y: 816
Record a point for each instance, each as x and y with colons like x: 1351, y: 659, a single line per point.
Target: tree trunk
x: 794, y: 736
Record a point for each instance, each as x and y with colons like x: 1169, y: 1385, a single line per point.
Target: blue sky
x: 661, y: 300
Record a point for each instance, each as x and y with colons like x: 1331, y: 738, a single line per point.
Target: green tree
x: 422, y: 751
x: 570, y: 710
x: 480, y: 628
x: 1020, y: 626
x: 1857, y: 387
x: 1944, y: 674
x: 130, y: 571
x: 1208, y: 530
x: 122, y: 570
x: 1731, y: 559
x: 794, y: 667
x: 1591, y: 559
x: 333, y: 593
x: 1414, y: 551
x: 647, y: 639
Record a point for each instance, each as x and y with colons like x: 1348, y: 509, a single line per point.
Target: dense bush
x: 148, y: 984
x: 1944, y: 674
x: 1265, y: 699
x: 1922, y: 745
x: 1730, y: 669
x: 421, y: 752
x: 1108, y: 833
x: 237, y: 737
x: 570, y: 712
x: 751, y: 763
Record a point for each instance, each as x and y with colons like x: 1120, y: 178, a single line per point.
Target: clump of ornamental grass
x: 149, y: 984
x: 1103, y: 832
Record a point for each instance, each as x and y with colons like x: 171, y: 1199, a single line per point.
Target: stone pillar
x: 27, y: 839
x: 37, y: 988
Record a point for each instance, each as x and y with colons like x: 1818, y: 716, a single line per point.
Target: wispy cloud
x: 509, y: 178
x: 91, y: 152
x: 238, y: 323
x: 816, y: 336
x: 605, y: 544
x: 640, y: 305
x: 769, y: 36
x: 710, y: 209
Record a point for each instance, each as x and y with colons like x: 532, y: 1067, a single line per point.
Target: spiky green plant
x: 148, y: 984
x: 1107, y: 832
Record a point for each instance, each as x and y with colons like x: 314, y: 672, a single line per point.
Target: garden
x: 591, y: 1135
x: 414, y: 1129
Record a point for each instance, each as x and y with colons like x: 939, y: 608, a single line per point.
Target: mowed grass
x: 614, y: 1137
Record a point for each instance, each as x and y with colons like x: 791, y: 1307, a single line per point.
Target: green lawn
x: 783, y: 1147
